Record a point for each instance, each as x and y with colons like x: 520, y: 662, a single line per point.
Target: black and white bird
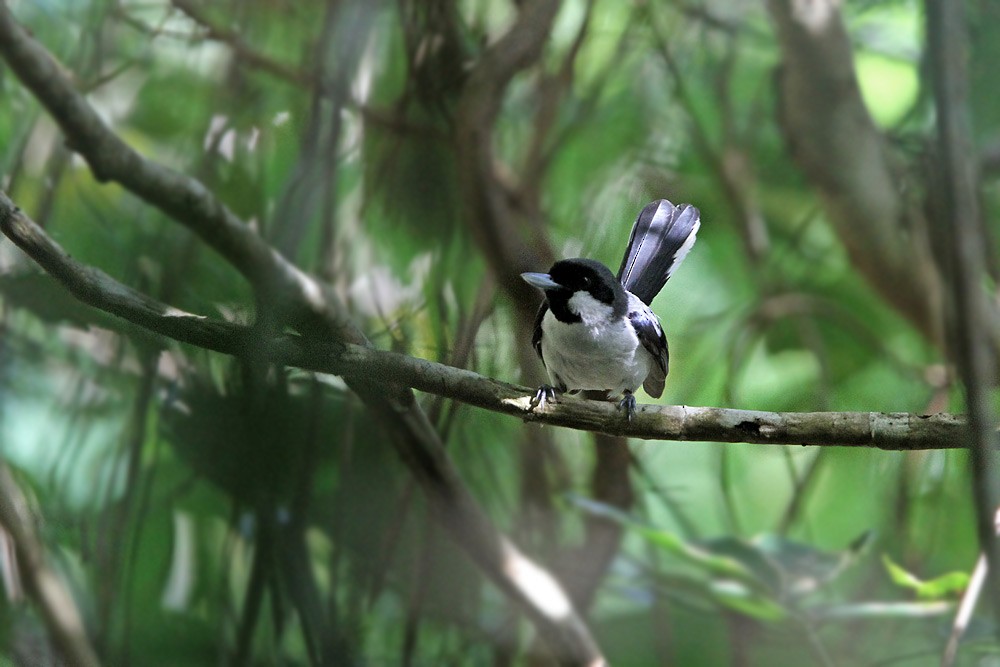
x: 595, y: 331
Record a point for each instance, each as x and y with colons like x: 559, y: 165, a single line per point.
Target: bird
x: 595, y: 330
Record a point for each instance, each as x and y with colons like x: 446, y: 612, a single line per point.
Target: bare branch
x: 892, y: 431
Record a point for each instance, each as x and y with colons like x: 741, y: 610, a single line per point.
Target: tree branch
x: 839, y: 148
x: 509, y: 248
x: 891, y: 431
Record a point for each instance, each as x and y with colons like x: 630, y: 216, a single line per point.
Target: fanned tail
x: 661, y: 237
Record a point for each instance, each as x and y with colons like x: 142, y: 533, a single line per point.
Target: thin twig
x: 243, y: 51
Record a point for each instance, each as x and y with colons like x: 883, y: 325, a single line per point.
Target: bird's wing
x: 650, y: 333
x: 661, y: 237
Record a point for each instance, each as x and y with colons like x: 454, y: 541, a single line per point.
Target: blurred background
x: 416, y: 155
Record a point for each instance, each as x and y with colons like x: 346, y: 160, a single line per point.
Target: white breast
x: 598, y: 353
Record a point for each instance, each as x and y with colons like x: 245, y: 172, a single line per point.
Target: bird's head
x: 575, y: 287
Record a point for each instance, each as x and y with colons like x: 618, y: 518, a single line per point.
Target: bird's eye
x: 586, y: 281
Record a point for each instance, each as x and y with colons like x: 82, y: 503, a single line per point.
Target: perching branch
x: 892, y: 431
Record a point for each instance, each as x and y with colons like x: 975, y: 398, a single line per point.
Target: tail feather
x: 661, y: 237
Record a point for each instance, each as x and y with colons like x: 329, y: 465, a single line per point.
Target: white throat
x: 590, y: 310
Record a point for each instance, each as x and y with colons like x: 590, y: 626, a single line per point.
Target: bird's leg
x: 544, y: 394
x: 628, y: 404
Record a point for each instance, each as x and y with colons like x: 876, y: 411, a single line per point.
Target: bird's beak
x: 542, y: 281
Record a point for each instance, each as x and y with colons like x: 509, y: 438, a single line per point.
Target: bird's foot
x: 544, y: 394
x: 628, y: 405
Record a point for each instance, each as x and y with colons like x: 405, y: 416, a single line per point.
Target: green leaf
x: 738, y: 597
x: 937, y: 588
x: 720, y: 564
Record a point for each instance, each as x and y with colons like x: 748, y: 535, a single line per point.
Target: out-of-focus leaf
x: 48, y: 300
x: 248, y: 442
x: 877, y: 73
x: 943, y: 586
x: 804, y: 568
x: 751, y: 557
x: 716, y: 564
x: 735, y: 574
x: 171, y: 103
x: 738, y: 597
x: 757, y: 577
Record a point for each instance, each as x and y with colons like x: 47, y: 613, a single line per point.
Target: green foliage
x: 765, y: 578
x: 171, y: 484
x: 942, y: 586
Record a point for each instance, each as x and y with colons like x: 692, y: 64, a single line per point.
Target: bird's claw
x: 544, y: 394
x: 628, y: 405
